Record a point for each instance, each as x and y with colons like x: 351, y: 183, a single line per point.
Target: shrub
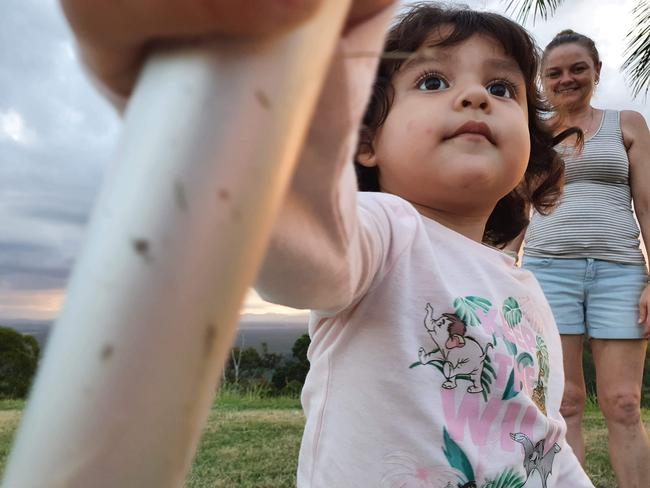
x: 291, y: 376
x: 267, y: 373
x: 18, y: 361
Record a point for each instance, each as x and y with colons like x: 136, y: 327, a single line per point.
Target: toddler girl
x: 435, y: 362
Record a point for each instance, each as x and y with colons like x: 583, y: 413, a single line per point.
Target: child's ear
x: 367, y: 158
x: 365, y: 149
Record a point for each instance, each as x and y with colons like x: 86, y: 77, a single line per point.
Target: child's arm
x: 320, y: 255
x: 317, y: 251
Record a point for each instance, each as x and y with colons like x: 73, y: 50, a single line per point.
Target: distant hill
x: 279, y: 335
x: 279, y: 332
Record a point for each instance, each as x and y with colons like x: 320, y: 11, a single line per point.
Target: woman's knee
x: 621, y: 407
x: 573, y: 401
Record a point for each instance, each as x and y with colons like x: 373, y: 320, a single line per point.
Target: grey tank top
x: 594, y: 218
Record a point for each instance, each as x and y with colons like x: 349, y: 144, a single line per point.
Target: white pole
x: 211, y: 136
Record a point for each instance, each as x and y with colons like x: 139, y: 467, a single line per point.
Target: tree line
x: 247, y: 368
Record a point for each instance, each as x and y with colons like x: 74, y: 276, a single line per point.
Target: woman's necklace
x: 589, y: 128
x: 585, y: 131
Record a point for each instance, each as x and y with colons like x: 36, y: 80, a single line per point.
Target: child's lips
x: 473, y: 128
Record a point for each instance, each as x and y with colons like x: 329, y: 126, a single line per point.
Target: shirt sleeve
x: 324, y: 250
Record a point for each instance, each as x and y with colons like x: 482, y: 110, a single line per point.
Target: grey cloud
x: 48, y: 185
x: 63, y: 215
x: 32, y: 266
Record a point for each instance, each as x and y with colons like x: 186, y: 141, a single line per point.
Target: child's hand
x: 113, y: 35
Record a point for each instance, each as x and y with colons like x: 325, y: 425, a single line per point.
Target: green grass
x: 249, y: 441
x: 253, y: 441
x: 597, y: 459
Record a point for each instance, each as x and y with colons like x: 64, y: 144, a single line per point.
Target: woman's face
x: 569, y: 75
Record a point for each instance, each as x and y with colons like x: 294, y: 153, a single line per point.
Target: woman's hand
x: 644, y: 312
x: 113, y: 36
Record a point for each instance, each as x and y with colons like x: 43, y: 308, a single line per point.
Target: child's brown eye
x: 500, y: 89
x: 432, y: 83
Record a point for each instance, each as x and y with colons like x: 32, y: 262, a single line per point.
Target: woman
x: 586, y: 254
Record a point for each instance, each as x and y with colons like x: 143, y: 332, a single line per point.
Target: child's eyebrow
x: 504, y: 64
x: 414, y: 61
x: 507, y: 65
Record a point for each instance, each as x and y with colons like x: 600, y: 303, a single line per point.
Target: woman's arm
x: 513, y: 248
x: 637, y: 142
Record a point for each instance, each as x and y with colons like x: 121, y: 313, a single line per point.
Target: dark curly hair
x: 542, y: 183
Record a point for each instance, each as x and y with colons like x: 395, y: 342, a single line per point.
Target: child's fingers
x: 112, y: 34
x: 363, y: 9
x: 120, y: 24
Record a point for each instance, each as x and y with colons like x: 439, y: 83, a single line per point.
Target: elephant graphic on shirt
x: 457, y: 355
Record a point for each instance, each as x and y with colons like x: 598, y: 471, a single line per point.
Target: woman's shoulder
x: 632, y: 118
x: 633, y: 125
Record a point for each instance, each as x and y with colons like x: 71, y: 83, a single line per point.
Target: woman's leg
x: 575, y: 394
x: 612, y: 315
x: 619, y: 372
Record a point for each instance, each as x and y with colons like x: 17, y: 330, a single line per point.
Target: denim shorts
x: 592, y: 296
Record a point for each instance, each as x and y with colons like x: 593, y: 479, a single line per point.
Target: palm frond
x: 541, y: 8
x: 637, y: 54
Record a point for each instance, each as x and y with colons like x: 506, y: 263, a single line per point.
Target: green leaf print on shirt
x: 511, y: 347
x: 507, y: 479
x: 457, y: 458
x: 512, y: 312
x: 510, y: 391
x: 486, y: 381
x: 466, y: 308
x: 525, y: 360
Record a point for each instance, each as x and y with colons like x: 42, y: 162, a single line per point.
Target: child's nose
x: 474, y: 97
x: 469, y: 103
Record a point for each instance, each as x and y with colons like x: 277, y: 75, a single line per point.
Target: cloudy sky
x: 57, y: 136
